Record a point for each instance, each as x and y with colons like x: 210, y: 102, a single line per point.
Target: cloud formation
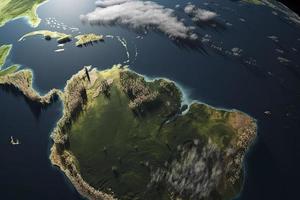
x: 196, y: 173
x: 138, y: 14
x: 199, y: 14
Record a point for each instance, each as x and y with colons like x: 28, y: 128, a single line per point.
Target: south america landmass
x: 122, y: 137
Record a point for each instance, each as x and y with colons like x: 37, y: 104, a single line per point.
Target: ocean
x: 211, y: 75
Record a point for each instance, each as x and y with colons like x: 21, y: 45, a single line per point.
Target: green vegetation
x: 48, y: 35
x: 4, y: 52
x: 86, y: 39
x: 9, y: 70
x: 126, y: 137
x: 13, y: 9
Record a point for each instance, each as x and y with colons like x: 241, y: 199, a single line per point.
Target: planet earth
x: 156, y: 99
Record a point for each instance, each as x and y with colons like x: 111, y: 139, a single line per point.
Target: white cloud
x: 199, y: 14
x: 139, y: 15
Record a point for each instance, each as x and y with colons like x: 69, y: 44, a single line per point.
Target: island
x: 14, y: 9
x: 48, y: 35
x: 88, y: 39
x: 4, y: 52
x: 14, y: 141
x: 62, y: 38
x: 123, y: 136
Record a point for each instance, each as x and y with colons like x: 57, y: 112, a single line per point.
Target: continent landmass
x: 139, y: 141
x: 14, y: 9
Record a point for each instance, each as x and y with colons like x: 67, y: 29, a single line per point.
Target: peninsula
x: 9, y: 70
x: 22, y: 81
x: 4, y: 52
x: 14, y: 9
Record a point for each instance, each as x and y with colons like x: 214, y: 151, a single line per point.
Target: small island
x: 48, y: 35
x: 14, y: 141
x: 88, y: 39
x: 14, y: 9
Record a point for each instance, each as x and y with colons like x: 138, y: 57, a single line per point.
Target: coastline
x: 66, y: 161
x: 203, y: 88
x: 82, y: 187
x: 45, y: 33
x: 63, y: 158
x: 30, y: 16
x: 22, y: 81
x: 5, y: 50
x: 189, y: 101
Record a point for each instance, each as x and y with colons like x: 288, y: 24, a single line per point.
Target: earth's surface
x: 241, y: 55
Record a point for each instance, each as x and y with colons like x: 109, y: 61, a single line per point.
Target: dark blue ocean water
x: 214, y: 77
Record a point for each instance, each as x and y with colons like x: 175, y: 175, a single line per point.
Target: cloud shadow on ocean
x: 183, y: 43
x: 213, y: 24
x: 188, y: 44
